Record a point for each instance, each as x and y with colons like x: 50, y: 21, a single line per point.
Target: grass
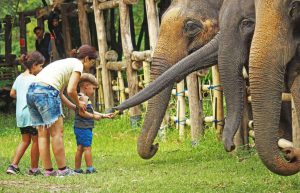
x: 177, y: 166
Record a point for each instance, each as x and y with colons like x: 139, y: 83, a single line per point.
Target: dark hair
x: 32, y: 58
x: 84, y: 51
x: 37, y: 28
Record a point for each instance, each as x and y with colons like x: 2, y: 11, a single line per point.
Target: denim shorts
x: 83, y: 136
x: 44, y: 104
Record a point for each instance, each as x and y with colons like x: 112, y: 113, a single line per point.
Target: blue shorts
x: 83, y: 136
x: 44, y: 104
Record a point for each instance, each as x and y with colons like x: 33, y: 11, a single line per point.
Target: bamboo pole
x: 141, y: 55
x: 218, y: 101
x: 100, y: 104
x: 196, y: 112
x: 122, y: 87
x: 116, y: 66
x: 102, y: 44
x: 127, y: 46
x: 295, y: 125
x: 108, y: 5
x: 295, y: 102
x: 153, y: 23
x: 181, y: 109
x: 84, y: 27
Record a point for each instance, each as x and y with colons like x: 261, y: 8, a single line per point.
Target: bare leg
x: 44, y: 147
x: 78, y: 157
x: 34, y: 154
x: 21, y: 149
x: 88, y: 156
x: 56, y: 131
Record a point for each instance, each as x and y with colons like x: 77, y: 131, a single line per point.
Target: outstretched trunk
x: 202, y: 58
x: 270, y: 52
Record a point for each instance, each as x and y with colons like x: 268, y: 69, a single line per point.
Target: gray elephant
x: 275, y: 47
x: 237, y: 26
x: 186, y: 26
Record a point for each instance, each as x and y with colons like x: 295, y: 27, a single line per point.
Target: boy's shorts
x: 83, y: 136
x: 28, y: 130
x: 44, y: 104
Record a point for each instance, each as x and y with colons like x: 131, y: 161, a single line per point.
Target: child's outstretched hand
x: 109, y: 115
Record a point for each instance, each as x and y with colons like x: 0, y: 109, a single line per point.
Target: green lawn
x: 177, y: 167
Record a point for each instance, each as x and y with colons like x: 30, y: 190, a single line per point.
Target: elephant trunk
x: 200, y: 59
x: 268, y: 57
x: 234, y: 90
x: 156, y: 110
x: 206, y: 56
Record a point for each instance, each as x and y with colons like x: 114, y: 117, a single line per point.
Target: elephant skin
x: 186, y: 26
x: 274, y: 51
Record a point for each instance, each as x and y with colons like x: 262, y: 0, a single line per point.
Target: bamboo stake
x: 102, y: 44
x: 181, y: 109
x: 108, y: 5
x: 218, y: 101
x: 196, y: 112
x: 122, y: 87
x: 132, y: 77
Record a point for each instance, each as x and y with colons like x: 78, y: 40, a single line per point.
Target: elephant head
x: 237, y: 22
x: 274, y: 45
x: 186, y: 26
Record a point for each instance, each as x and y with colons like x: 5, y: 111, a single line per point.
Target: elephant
x: 274, y: 52
x: 186, y: 26
x: 236, y: 26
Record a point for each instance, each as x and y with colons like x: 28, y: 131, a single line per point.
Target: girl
x: 44, y: 99
x: 33, y: 63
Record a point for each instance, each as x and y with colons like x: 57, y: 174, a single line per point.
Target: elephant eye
x: 192, y: 28
x: 295, y: 10
x: 247, y: 25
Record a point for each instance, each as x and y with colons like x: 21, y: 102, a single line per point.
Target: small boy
x: 84, y: 123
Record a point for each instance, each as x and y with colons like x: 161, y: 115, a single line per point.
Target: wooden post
x: 102, y: 44
x: 22, y: 24
x: 8, y: 38
x: 66, y: 28
x: 181, y: 109
x: 196, y: 115
x: 132, y: 77
x: 296, y: 132
x: 218, y: 101
x: 153, y: 22
x: 121, y: 86
x: 84, y: 27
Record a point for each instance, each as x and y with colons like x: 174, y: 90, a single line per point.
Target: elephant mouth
x: 191, y: 50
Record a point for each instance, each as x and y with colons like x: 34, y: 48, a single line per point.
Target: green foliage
x: 177, y: 166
